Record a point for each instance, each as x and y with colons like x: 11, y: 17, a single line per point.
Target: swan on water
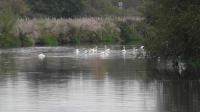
x: 77, y: 51
x: 158, y: 59
x: 86, y: 51
x: 107, y: 50
x: 93, y: 50
x: 41, y: 56
x: 124, y: 50
x: 142, y: 47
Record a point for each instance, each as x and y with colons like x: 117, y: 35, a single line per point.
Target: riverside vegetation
x: 94, y: 30
x: 171, y: 30
x: 168, y: 28
x: 24, y: 23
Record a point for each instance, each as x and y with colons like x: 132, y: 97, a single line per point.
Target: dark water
x: 66, y: 82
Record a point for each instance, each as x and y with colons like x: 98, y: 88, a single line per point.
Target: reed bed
x: 92, y: 29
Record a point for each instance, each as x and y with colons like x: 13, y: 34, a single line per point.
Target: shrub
x: 196, y: 63
x: 47, y: 40
x: 77, y: 40
x: 9, y: 41
x: 25, y: 41
x: 108, y: 39
x: 128, y: 33
x: 78, y: 30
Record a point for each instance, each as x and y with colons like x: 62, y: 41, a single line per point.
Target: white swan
x: 142, y: 47
x: 124, y: 50
x: 105, y: 52
x: 93, y: 50
x: 77, y: 51
x: 41, y: 56
x: 106, y: 49
x: 86, y: 51
x: 158, y: 59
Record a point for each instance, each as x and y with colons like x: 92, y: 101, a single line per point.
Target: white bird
x: 124, y: 50
x: 142, y: 47
x: 41, y: 56
x: 86, y: 51
x: 107, y: 50
x: 158, y: 59
x: 77, y: 51
x: 104, y: 54
x: 93, y: 50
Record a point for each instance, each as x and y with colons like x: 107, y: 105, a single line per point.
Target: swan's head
x: 124, y: 47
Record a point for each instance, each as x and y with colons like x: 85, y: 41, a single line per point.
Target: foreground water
x: 67, y: 82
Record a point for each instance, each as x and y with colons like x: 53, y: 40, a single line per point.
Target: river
x: 68, y: 82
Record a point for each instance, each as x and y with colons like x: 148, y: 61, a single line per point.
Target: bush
x: 128, y: 33
x: 71, y: 30
x: 25, y: 41
x: 84, y: 36
x: 9, y: 41
x: 47, y: 40
x: 77, y: 40
x: 133, y: 38
x: 108, y: 39
x: 196, y: 63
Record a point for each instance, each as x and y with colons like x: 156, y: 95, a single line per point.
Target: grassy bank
x: 54, y: 32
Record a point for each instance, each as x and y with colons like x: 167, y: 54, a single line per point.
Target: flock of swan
x: 95, y: 50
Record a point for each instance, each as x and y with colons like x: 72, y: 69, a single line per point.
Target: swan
x: 86, y: 51
x: 41, y: 56
x: 102, y: 53
x: 124, y: 49
x: 158, y: 59
x: 142, y: 47
x: 77, y: 51
x: 93, y: 50
x: 105, y: 52
x: 106, y: 49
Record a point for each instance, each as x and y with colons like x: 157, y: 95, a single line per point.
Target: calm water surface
x: 67, y: 82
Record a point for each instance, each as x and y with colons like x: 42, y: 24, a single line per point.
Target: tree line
x: 171, y: 29
x: 73, y: 8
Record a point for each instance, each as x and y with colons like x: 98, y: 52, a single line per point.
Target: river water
x: 68, y: 82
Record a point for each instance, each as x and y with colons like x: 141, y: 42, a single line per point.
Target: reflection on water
x: 65, y: 82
